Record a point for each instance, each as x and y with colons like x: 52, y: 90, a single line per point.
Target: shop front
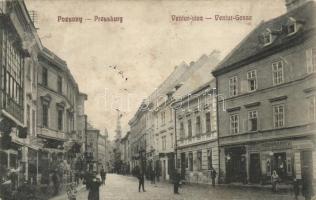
x: 289, y: 158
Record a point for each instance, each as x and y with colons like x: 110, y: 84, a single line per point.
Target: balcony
x: 11, y: 109
x: 51, y: 134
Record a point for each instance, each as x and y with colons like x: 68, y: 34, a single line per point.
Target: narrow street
x: 120, y: 187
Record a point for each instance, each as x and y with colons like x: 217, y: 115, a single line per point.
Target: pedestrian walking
x: 274, y: 180
x: 56, y: 182
x: 102, y: 173
x: 94, y: 186
x: 141, y: 180
x: 296, y: 188
x: 213, y: 176
x: 176, y: 182
x: 152, y: 175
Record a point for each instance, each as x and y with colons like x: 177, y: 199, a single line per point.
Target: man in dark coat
x: 213, y: 176
x: 55, y: 180
x: 141, y: 179
x: 102, y: 174
x: 94, y: 188
x: 307, y: 187
x: 176, y: 182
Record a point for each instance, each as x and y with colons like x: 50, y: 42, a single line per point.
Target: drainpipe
x: 217, y: 127
x: 175, y: 140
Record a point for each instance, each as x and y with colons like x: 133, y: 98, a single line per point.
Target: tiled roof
x: 251, y: 45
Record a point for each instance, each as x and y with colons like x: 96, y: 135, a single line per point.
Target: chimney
x: 293, y: 4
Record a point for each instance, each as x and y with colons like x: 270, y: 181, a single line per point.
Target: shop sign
x: 302, y: 144
x: 275, y: 145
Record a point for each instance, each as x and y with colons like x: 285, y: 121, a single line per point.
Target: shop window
x: 289, y: 166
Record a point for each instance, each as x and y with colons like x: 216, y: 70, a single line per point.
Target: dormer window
x: 291, y: 27
x: 267, y: 37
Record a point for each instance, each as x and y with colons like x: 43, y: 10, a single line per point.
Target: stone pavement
x: 120, y: 187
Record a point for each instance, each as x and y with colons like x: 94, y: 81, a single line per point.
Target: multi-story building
x: 101, y: 151
x: 92, y: 151
x: 20, y: 45
x: 196, y: 134
x: 57, y: 111
x: 267, y: 119
x: 125, y: 153
x: 138, y: 138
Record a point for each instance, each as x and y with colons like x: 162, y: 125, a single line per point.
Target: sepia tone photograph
x: 157, y: 100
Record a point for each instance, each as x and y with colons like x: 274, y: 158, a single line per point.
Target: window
x: 190, y: 161
x: 199, y: 160
x: 163, y: 142
x: 252, y: 80
x: 277, y: 72
x: 278, y: 116
x: 171, y: 140
x: 208, y: 122
x: 189, y: 128
x: 44, y: 76
x: 252, y: 120
x: 28, y: 117
x: 209, y: 159
x: 60, y: 116
x: 198, y: 125
x: 267, y: 38
x: 60, y: 84
x: 12, y: 77
x: 312, y: 108
x: 45, y: 115
x: 234, y: 123
x: 311, y: 60
x: 291, y: 28
x: 233, y: 89
x: 181, y: 130
x: 33, y: 122
x: 163, y: 115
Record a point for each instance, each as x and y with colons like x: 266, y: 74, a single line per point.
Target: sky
x: 119, y: 64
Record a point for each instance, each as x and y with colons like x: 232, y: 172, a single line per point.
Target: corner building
x: 266, y: 102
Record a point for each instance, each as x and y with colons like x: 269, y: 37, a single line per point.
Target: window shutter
x: 309, y: 60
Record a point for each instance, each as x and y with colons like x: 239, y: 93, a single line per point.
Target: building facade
x: 196, y: 134
x: 267, y: 119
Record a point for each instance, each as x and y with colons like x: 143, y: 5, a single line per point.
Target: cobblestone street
x: 126, y: 188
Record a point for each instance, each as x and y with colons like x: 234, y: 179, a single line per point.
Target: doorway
x: 307, y: 164
x: 254, y: 168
